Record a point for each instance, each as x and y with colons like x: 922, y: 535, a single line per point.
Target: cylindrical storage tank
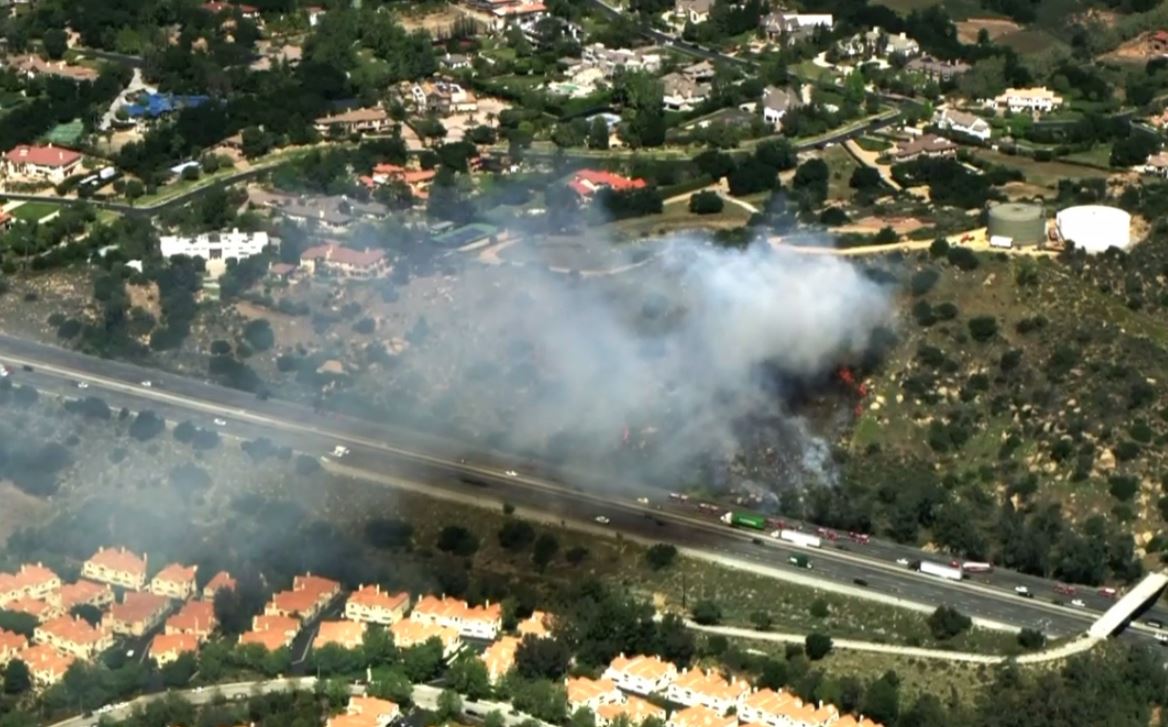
x: 1024, y: 224
x: 1094, y: 227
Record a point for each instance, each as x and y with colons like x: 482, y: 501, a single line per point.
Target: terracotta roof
x: 137, y: 607
x: 281, y: 624
x: 197, y: 617
x: 29, y: 576
x: 373, y: 707
x: 499, y: 657
x: 407, y: 633
x: 583, y: 689
x: 374, y: 597
x: 711, y: 684
x: 851, y: 721
x: 297, y: 602
x: 32, y: 606
x: 116, y: 559
x: 11, y: 641
x: 356, y: 116
x: 270, y: 640
x: 177, y: 573
x: 346, y: 634
x: 43, y: 156
x: 315, y: 584
x: 42, y: 658
x: 645, y: 667
x: 537, y: 624
x: 83, y: 591
x: 594, y: 179
x: 73, y: 630
x: 222, y: 579
x: 455, y: 608
x: 700, y: 716
x: 635, y: 709
x: 174, y: 644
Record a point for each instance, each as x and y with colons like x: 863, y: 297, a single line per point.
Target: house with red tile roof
x: 591, y: 693
x: 343, y: 633
x: 215, y: 7
x: 11, y: 644
x: 538, y: 624
x: 373, y: 605
x: 633, y: 709
x: 408, y: 632
x: 641, y: 674
x: 117, y: 567
x: 700, y: 716
x: 83, y: 593
x: 366, y: 712
x: 136, y: 614
x: 40, y: 609
x: 175, y: 581
x: 708, y: 688
x: 165, y: 648
x: 308, y: 597
x: 46, y: 163
x: 781, y: 709
x: 271, y: 631
x: 46, y: 665
x: 31, y: 581
x: 849, y: 720
x: 270, y: 640
x: 73, y: 636
x: 499, y: 658
x: 344, y: 261
x: 475, y: 622
x: 196, y: 618
x: 587, y: 182
x: 220, y: 580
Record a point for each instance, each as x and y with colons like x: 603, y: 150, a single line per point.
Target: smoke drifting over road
x: 657, y: 367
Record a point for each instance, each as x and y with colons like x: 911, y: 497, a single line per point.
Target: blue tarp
x: 153, y: 105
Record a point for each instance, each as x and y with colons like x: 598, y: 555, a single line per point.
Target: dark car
x: 860, y: 582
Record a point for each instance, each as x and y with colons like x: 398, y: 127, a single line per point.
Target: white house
x: 1040, y: 99
x: 964, y: 123
x: 775, y: 104
x: 641, y: 674
x: 693, y: 11
x: 710, y: 689
x: 216, y: 247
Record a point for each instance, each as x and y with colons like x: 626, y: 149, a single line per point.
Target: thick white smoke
x: 676, y: 353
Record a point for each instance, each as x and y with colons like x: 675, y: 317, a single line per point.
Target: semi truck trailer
x: 746, y: 520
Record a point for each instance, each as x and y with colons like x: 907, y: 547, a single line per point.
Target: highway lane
x: 179, y: 398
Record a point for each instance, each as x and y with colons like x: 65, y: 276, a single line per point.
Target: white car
x: 3, y: 371
x: 902, y: 561
x: 1022, y: 590
x: 511, y: 473
x: 643, y: 500
x: 602, y: 519
x: 340, y: 450
x: 220, y: 422
x: 147, y: 383
x: 82, y: 385
x: 1078, y: 603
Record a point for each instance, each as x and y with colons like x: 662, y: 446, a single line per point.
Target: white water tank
x: 1094, y: 227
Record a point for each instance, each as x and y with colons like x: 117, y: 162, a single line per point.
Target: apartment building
x: 166, y: 648
x: 308, y: 597
x: 370, y: 604
x: 73, y: 636
x: 499, y: 658
x: 31, y: 581
x: 707, y: 688
x: 138, y: 613
x: 46, y: 665
x: 472, y: 622
x: 343, y: 633
x: 219, y: 581
x: 701, y: 716
x: 195, y: 618
x: 117, y: 567
x: 83, y: 593
x: 175, y: 580
x: 591, y: 693
x: 634, y: 710
x: 408, y: 632
x: 641, y: 674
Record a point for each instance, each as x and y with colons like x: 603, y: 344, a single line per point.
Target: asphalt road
x: 426, y: 459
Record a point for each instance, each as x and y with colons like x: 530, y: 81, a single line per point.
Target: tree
x: 661, y: 555
x: 706, y: 612
x: 468, y: 676
x: 178, y: 673
x: 516, y: 535
x: 778, y: 154
x: 56, y: 43
x: 449, y: 705
x: 751, y: 176
x: 258, y: 334
x: 457, y: 540
x: 714, y: 164
x: 761, y: 620
x: 424, y: 661
x: 983, y: 328
x: 1133, y: 149
x: 542, y: 658
x: 494, y: 718
x: 817, y: 646
x: 865, y: 178
x: 1031, y: 639
x: 389, y: 534
x: 881, y: 701
x: 545, y: 548
x: 598, y: 133
x: 811, y: 178
x: 391, y: 684
x: 17, y: 678
x: 947, y: 622
x: 706, y: 202
x: 146, y: 426
x: 819, y: 608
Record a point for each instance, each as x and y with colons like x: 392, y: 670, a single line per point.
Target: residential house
x: 537, y: 625
x: 308, y: 597
x: 789, y: 28
x: 641, y: 674
x: 175, y: 580
x: 196, y: 618
x: 852, y: 721
x: 693, y: 11
x: 513, y: 13
x: 32, y: 66
x: 11, y: 644
x: 587, y: 182
x: 682, y: 93
x: 782, y: 709
x: 443, y: 98
x: 591, y: 693
x: 963, y: 122
x: 1034, y: 100
x: 215, y: 7
x: 136, y: 614
x: 700, y: 72
x: 612, y: 60
x: 701, y: 716
x: 707, y: 688
x: 418, y: 180
x: 374, y: 120
x: 370, y: 604
x: 220, y: 580
x: 343, y: 633
x: 454, y: 62
x: 408, y: 632
x: 474, y: 622
x: 366, y: 712
x: 775, y: 104
x: 41, y: 163
x: 1157, y: 165
x: 165, y: 648
x: 937, y: 70
x: 271, y: 640
x: 215, y: 248
x: 73, y: 636
x: 633, y: 710
x: 877, y: 43
x: 1157, y: 43
x: 925, y: 145
x: 499, y: 658
x: 344, y: 261
x: 46, y: 665
x: 31, y: 581
x: 271, y: 632
x: 117, y: 567
x: 40, y: 609
x: 83, y: 593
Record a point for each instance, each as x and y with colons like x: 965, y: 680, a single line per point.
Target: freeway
x: 441, y: 466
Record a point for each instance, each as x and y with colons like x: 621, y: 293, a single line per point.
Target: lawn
x: 841, y: 164
x: 676, y: 217
x: 1098, y: 155
x: 1046, y: 174
x: 33, y: 211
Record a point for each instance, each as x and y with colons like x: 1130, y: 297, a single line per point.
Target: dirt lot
x: 868, y: 225
x: 967, y: 30
x: 1131, y: 51
x: 438, y: 24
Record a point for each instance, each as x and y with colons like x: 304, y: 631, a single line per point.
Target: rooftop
x: 138, y: 607
x: 73, y: 630
x: 44, y: 156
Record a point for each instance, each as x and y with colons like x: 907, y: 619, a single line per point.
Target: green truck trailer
x: 745, y: 520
